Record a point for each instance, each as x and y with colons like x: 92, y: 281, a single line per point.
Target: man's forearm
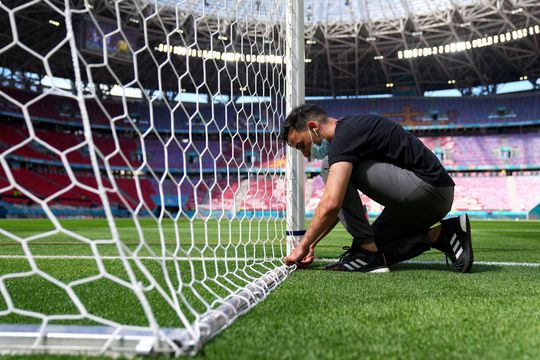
x: 323, y: 222
x: 330, y: 228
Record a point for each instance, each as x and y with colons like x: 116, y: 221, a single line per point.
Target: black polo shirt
x: 373, y: 137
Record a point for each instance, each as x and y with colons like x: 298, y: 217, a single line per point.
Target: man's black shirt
x: 373, y: 137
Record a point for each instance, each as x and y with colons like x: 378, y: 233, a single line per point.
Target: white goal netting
x: 155, y: 124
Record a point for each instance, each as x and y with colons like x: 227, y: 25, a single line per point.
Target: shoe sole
x: 380, y: 271
x: 467, y: 244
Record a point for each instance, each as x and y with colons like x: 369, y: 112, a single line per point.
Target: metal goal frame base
x: 130, y: 340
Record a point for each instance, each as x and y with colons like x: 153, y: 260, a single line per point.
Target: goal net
x: 155, y: 124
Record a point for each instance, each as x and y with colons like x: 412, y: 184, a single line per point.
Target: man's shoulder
x: 361, y: 118
x: 355, y: 123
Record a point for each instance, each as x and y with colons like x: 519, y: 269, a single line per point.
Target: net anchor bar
x: 74, y: 339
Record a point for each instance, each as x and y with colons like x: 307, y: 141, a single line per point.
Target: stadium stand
x: 512, y: 150
x: 408, y: 111
x: 476, y: 192
x: 411, y: 111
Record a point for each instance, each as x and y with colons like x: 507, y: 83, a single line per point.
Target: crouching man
x: 391, y: 166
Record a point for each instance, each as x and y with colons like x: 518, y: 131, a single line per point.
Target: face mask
x: 318, y: 151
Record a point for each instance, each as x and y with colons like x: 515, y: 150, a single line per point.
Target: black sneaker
x: 455, y: 242
x: 361, y: 261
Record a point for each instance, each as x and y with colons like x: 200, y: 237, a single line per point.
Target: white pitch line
x: 157, y: 258
x: 435, y: 262
x: 325, y: 260
x: 482, y: 230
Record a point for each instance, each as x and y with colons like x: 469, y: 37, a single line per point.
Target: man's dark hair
x: 298, y: 118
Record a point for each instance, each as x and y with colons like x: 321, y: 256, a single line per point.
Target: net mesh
x: 167, y: 131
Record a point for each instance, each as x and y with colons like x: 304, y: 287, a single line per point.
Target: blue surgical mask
x: 318, y: 151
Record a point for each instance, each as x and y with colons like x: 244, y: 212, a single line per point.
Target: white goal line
x: 168, y: 258
x: 185, y: 258
x: 435, y: 262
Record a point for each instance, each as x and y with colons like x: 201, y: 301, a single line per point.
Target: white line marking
x: 157, y: 258
x: 474, y: 231
x: 325, y: 260
x: 435, y: 262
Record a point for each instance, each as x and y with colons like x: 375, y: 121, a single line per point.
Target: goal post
x: 163, y: 119
x: 295, y: 96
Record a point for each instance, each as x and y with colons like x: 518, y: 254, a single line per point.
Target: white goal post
x: 169, y: 129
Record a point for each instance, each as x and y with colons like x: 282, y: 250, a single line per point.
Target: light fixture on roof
x: 310, y: 42
x: 134, y: 20
x: 517, y: 11
x: 243, y: 88
x: 450, y: 82
x: 371, y: 38
x: 306, y: 60
x: 54, y: 22
x: 524, y: 77
x: 217, y: 55
x: 417, y: 33
x: 378, y: 57
x: 460, y: 46
x: 389, y: 85
x: 180, y: 31
x: 465, y: 24
x: 222, y: 37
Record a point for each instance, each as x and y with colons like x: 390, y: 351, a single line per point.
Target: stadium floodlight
x: 182, y: 265
x: 454, y: 47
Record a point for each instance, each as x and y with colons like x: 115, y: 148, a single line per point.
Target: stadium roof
x: 326, y: 11
x: 361, y: 11
x: 353, y: 47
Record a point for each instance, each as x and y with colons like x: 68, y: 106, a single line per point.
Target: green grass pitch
x: 418, y: 311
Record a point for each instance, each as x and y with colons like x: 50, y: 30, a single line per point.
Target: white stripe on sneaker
x: 456, y: 246
x: 348, y: 267
x: 459, y: 253
x: 356, y: 266
x: 453, y: 239
x: 360, y: 262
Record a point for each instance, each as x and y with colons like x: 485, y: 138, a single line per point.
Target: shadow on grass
x: 443, y: 267
x: 317, y: 266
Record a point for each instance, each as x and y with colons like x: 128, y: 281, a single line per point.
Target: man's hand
x: 308, y: 259
x: 296, y: 255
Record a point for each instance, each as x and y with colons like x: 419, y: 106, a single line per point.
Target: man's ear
x: 311, y: 125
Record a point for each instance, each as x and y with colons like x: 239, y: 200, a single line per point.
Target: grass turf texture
x: 414, y: 312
